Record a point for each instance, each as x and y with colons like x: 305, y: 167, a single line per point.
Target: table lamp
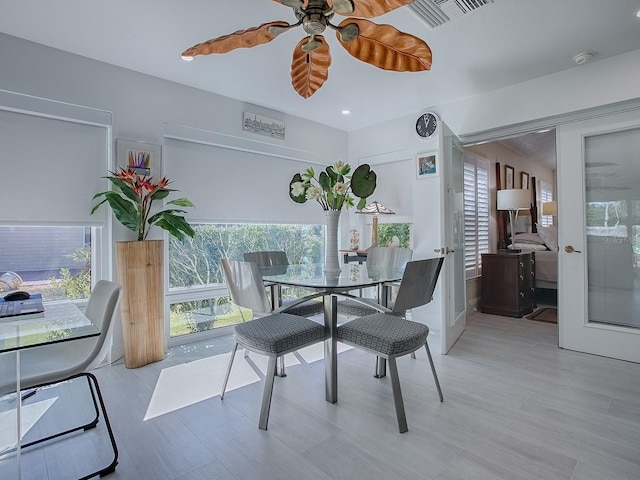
x: 550, y: 208
x: 513, y: 200
x: 375, y: 209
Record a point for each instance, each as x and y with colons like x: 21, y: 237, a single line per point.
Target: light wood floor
x: 516, y: 407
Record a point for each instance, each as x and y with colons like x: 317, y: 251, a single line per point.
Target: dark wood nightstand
x: 508, y: 284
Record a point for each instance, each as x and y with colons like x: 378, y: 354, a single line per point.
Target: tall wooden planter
x: 140, y: 273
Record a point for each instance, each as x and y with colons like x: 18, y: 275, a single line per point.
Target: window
x: 54, y: 261
x: 476, y: 212
x: 546, y: 195
x: 198, y: 299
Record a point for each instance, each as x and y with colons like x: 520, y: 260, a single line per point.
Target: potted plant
x: 140, y: 263
x: 333, y: 189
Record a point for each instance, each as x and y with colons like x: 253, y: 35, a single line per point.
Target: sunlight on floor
x: 30, y: 416
x: 190, y: 383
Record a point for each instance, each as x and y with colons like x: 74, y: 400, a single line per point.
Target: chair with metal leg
x: 389, y: 335
x: 275, y: 262
x: 377, y: 257
x: 273, y: 334
x: 59, y: 362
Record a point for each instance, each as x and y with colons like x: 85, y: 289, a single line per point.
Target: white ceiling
x: 503, y: 43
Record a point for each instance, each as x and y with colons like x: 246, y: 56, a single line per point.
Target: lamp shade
x: 514, y: 199
x: 550, y: 208
x: 375, y: 208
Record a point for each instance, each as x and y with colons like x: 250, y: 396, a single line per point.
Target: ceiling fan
x: 382, y: 46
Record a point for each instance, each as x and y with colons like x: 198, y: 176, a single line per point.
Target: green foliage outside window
x: 196, y: 261
x: 386, y: 232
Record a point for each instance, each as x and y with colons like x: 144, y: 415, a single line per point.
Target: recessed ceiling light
x: 187, y: 58
x: 583, y: 57
x: 638, y: 14
x: 346, y: 111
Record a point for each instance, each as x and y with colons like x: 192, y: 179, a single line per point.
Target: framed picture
x: 524, y: 180
x: 139, y: 157
x: 509, y: 173
x: 426, y: 165
x: 269, y: 127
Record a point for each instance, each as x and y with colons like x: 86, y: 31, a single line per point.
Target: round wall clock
x: 427, y: 124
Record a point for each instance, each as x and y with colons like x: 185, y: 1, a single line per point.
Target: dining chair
x: 60, y: 362
x: 275, y: 262
x: 272, y: 333
x: 377, y: 257
x: 388, y: 334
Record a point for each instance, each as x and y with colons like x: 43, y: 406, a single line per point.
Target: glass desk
x: 61, y: 322
x: 351, y: 277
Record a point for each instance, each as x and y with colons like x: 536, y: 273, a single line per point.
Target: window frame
x: 476, y: 171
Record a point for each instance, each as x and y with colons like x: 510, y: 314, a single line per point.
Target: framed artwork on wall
x: 139, y: 157
x: 427, y: 165
x: 524, y: 180
x: 508, y: 176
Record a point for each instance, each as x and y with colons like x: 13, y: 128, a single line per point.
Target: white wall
x: 145, y: 108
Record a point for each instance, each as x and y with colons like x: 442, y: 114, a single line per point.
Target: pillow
x: 529, y: 238
x: 549, y: 235
x: 529, y: 247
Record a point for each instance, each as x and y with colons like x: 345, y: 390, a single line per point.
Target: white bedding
x: 546, y: 267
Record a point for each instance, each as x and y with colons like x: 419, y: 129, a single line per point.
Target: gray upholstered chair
x: 274, y: 262
x: 273, y: 334
x: 389, y: 335
x: 58, y: 362
x: 377, y: 257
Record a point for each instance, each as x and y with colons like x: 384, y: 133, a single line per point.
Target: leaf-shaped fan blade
x: 386, y: 47
x: 310, y: 70
x: 240, y: 39
x: 373, y: 8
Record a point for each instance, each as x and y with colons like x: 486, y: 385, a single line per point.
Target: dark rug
x: 544, y: 314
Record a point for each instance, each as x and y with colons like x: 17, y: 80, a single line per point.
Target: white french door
x: 599, y: 235
x: 454, y: 320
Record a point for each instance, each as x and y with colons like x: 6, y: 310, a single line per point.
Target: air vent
x: 437, y: 12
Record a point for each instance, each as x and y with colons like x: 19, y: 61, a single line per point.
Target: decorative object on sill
x: 333, y: 189
x: 375, y: 208
x: 382, y: 46
x: 354, y: 238
x: 513, y: 200
x: 140, y: 263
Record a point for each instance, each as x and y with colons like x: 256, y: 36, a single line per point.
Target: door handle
x: 444, y: 250
x: 570, y: 249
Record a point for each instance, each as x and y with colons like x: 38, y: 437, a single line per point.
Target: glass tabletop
x: 349, y: 277
x: 61, y: 322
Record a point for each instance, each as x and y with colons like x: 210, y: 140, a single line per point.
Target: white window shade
x: 236, y: 186
x: 51, y: 168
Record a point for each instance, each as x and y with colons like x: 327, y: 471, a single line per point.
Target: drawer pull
x: 522, y: 264
x: 521, y: 277
x: 522, y: 294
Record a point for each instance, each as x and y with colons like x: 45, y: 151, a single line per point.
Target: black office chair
x: 390, y: 335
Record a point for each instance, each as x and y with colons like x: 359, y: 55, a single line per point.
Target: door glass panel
x: 613, y: 227
x: 460, y: 281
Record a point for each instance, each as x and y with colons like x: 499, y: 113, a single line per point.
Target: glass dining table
x: 330, y: 286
